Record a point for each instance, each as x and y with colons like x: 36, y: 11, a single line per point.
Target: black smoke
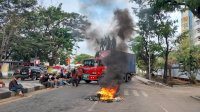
x: 117, y: 60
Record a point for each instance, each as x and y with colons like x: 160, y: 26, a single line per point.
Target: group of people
x: 72, y: 77
x: 61, y: 79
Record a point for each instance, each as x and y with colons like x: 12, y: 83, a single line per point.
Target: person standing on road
x: 14, y: 86
x: 79, y: 73
x: 62, y: 73
x: 68, y: 78
x: 74, y: 78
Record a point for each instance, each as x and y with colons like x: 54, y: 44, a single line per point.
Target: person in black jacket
x: 44, y: 80
x: 14, y: 86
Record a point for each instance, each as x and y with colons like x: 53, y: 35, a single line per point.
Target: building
x: 192, y: 24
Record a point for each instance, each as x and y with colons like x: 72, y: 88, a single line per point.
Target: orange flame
x: 107, y: 93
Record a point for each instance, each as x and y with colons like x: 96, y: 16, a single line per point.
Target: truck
x: 93, y: 69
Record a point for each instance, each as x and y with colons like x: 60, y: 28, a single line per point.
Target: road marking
x: 165, y: 110
x: 92, y: 107
x: 126, y: 93
x: 135, y: 93
x: 144, y: 94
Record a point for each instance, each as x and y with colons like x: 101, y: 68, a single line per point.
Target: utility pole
x: 3, y: 43
x: 149, y: 59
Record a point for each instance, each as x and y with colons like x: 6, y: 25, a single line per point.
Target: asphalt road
x: 137, y: 98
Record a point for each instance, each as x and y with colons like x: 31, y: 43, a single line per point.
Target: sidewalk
x: 150, y: 82
x: 193, y: 92
x: 29, y: 86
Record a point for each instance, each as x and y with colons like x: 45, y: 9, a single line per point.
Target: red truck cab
x: 93, y: 69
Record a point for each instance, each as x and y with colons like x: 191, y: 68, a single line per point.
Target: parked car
x: 42, y: 67
x: 30, y: 72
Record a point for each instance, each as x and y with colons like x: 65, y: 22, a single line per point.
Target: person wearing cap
x: 14, y: 86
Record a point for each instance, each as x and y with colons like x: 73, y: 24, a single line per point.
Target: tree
x: 43, y: 33
x: 59, y: 31
x: 192, y: 5
x: 81, y: 57
x: 188, y: 56
x: 172, y: 5
x: 11, y: 19
x: 141, y: 48
x: 166, y: 32
x: 157, y: 24
x: 145, y: 46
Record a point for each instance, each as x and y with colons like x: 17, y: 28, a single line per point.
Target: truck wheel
x: 87, y: 81
x: 127, y: 77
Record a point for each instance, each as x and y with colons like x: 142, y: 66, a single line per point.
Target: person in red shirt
x: 74, y: 78
x: 79, y: 73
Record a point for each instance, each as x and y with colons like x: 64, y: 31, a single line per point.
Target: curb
x: 150, y: 82
x: 196, y: 97
x: 8, y: 94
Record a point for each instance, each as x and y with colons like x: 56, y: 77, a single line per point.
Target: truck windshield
x: 88, y: 62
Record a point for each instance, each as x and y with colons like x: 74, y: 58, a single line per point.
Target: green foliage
x: 188, y: 56
x: 63, y: 57
x: 37, y: 32
x: 140, y: 48
x: 172, y: 5
x: 156, y: 25
x: 81, y: 57
x: 12, y: 20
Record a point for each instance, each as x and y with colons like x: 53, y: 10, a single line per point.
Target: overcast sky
x: 98, y: 14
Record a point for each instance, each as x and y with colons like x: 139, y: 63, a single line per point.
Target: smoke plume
x: 117, y: 61
x: 113, y: 36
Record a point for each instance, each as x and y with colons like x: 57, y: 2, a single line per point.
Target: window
x: 88, y: 63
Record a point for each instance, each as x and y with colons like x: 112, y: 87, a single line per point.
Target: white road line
x: 135, y: 93
x: 165, y: 110
x: 144, y: 94
x: 126, y: 93
x: 92, y: 107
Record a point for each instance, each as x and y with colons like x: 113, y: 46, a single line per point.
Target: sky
x: 100, y: 15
